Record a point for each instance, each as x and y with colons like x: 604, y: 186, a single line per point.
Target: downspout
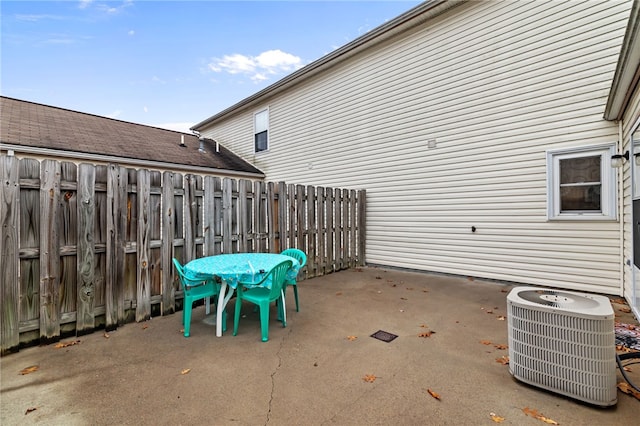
x: 621, y: 209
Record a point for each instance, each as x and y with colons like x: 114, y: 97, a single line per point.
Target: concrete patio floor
x: 309, y: 373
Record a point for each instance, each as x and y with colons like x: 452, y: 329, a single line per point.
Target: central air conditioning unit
x: 563, y: 342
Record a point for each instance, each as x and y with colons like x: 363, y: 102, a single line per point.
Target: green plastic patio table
x: 235, y: 268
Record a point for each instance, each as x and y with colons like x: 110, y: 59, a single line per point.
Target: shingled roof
x: 36, y: 128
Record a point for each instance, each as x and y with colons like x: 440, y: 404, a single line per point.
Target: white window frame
x: 608, y: 180
x: 257, y: 130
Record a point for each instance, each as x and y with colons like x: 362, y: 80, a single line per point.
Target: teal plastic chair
x: 194, y: 290
x: 302, y: 259
x: 263, y: 296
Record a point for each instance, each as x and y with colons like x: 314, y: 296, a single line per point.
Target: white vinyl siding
x: 496, y: 85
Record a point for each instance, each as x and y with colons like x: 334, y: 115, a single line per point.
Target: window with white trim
x: 261, y: 130
x: 581, y: 184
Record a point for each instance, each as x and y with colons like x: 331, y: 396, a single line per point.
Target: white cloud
x: 84, y: 4
x: 259, y: 67
x: 115, y: 114
x: 145, y: 109
x: 179, y: 127
x: 104, y: 7
x: 37, y: 18
x: 131, y: 32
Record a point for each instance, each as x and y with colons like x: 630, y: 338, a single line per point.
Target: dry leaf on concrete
x: 504, y: 360
x: 66, y: 344
x: 29, y: 369
x: 369, y: 378
x: 434, y: 394
x: 496, y: 418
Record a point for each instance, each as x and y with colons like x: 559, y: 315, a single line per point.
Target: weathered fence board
x: 143, y: 306
x: 86, y: 257
x: 49, y: 251
x: 9, y: 253
x: 86, y: 246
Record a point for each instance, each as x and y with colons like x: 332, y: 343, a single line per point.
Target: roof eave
x: 428, y: 9
x: 99, y: 158
x: 627, y: 72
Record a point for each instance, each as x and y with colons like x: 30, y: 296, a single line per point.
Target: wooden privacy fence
x: 89, y: 246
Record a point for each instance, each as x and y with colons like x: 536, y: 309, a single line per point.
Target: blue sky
x: 168, y: 63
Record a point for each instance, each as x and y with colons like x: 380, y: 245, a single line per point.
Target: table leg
x: 223, y: 299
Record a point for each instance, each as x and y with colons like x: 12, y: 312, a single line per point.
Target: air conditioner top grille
x: 579, y: 304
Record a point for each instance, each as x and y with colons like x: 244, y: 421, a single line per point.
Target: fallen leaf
x: 501, y: 347
x: 625, y: 310
x: 378, y: 277
x: 485, y: 342
x: 339, y: 293
x: 489, y: 312
x: 627, y: 369
x: 625, y: 388
x: 504, y: 360
x: 185, y: 371
x: 496, y: 418
x: 620, y: 301
x: 424, y: 326
x: 30, y: 369
x: 369, y: 378
x: 351, y: 338
x: 30, y: 410
x: 535, y: 414
x: 426, y: 333
x: 623, y: 348
x: 106, y: 335
x: 144, y: 327
x: 66, y: 344
x: 501, y: 318
x: 434, y: 394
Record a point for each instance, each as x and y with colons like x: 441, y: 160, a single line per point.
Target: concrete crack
x: 275, y: 371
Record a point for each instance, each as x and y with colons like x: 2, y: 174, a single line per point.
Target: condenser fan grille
x: 558, y: 299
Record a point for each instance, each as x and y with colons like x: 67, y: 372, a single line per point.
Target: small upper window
x: 261, y: 130
x: 581, y: 183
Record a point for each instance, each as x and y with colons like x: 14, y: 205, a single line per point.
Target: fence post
x: 362, y: 227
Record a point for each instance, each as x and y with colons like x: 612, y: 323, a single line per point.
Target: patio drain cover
x: 384, y: 336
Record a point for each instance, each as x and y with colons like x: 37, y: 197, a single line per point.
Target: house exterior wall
x: 447, y: 126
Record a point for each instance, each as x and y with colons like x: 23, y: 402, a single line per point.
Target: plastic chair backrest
x: 277, y: 276
x: 296, y: 254
x: 186, y: 281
